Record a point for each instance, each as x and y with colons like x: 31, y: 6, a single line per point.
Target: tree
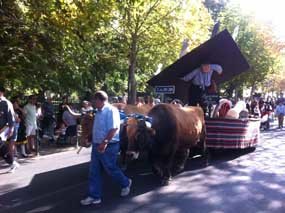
x: 152, y: 32
x: 258, y: 45
x: 53, y: 41
x: 68, y: 45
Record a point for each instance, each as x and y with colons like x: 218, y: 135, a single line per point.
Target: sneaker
x: 89, y: 200
x: 15, y: 165
x: 126, y: 191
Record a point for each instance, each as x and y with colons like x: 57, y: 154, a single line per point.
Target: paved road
x: 233, y: 183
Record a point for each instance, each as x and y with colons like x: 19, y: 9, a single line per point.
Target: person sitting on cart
x: 201, y: 82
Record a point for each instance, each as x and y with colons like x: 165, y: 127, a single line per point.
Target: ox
x: 128, y: 127
x: 174, y: 130
x: 131, y: 109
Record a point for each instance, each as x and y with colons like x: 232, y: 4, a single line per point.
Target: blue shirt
x: 106, y: 119
x: 200, y: 78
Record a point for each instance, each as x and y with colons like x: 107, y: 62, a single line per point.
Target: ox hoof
x: 165, y: 182
x: 178, y: 170
x: 157, y: 172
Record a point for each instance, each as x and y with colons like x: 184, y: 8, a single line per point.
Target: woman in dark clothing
x: 21, y: 139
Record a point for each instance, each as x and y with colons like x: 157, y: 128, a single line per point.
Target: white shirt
x: 30, y: 115
x: 200, y: 78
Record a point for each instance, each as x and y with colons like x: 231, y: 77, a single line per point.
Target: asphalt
x: 234, y: 182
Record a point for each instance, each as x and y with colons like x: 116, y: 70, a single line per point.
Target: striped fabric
x: 232, y: 133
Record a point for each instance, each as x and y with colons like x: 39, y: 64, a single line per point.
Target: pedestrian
x: 201, y: 82
x: 105, y: 140
x: 254, y: 109
x: 30, y: 113
x: 280, y: 112
x: 86, y: 122
x: 21, y: 132
x: 7, y: 124
x: 48, y: 119
x: 61, y: 109
x: 70, y: 121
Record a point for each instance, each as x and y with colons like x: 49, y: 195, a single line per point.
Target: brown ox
x: 131, y: 109
x: 173, y: 132
x: 86, y: 129
x: 129, y: 127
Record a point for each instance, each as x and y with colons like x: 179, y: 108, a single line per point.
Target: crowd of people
x: 31, y: 123
x: 255, y: 107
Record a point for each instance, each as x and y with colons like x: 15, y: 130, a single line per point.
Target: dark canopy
x: 221, y: 49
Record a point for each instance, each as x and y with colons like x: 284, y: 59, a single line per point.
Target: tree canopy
x: 68, y: 45
x: 258, y: 44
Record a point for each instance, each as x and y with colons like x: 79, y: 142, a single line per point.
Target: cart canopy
x: 221, y: 49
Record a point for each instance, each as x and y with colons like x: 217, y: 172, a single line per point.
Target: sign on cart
x: 170, y: 89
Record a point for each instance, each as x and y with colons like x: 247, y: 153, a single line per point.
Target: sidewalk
x: 45, y: 150
x: 48, y: 149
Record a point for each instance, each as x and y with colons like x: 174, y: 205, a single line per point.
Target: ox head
x: 140, y: 135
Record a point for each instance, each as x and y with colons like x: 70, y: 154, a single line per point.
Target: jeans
x: 107, y: 161
x: 280, y: 120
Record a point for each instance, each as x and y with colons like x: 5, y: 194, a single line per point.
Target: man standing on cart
x: 201, y: 82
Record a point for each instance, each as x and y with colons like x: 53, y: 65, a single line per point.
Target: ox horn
x: 148, y: 124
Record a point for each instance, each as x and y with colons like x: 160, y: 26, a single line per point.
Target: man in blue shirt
x: 105, y: 141
x: 201, y: 82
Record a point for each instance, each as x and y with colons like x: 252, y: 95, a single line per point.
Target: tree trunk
x: 132, y: 85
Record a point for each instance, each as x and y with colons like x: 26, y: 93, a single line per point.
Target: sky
x: 272, y: 12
